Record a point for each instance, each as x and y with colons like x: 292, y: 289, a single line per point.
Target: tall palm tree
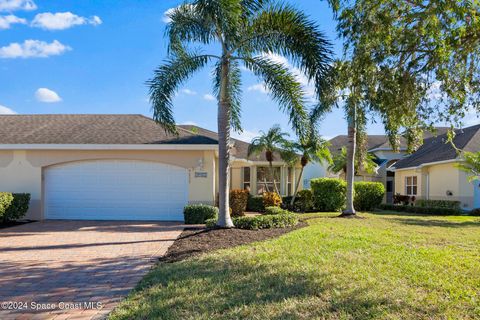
x: 271, y: 142
x: 236, y: 32
x: 340, y: 160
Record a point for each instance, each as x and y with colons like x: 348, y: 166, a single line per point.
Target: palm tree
x: 272, y: 142
x: 245, y: 32
x: 471, y: 165
x: 340, y: 160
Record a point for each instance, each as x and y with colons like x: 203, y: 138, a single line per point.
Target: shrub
x: 401, y: 199
x: 421, y: 210
x: 255, y: 204
x: 266, y: 221
x: 474, y: 212
x: 199, y: 213
x: 451, y: 204
x: 304, y: 200
x: 6, y: 199
x: 18, y: 208
x: 368, y: 195
x: 271, y: 199
x: 274, y: 210
x: 211, y: 223
x: 238, y: 202
x: 328, y: 194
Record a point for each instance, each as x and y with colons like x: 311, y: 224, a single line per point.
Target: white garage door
x: 115, y: 190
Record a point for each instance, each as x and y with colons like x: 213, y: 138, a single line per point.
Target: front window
x: 265, y: 179
x: 246, y: 178
x: 411, y: 186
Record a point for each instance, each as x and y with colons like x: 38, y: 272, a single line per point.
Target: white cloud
x: 12, y: 5
x: 260, y: 87
x: 33, y: 49
x: 47, y: 95
x: 5, y: 110
x: 189, y: 123
x: 246, y: 135
x: 166, y: 15
x: 209, y: 97
x: 62, y: 20
x: 7, y: 21
x: 188, y: 92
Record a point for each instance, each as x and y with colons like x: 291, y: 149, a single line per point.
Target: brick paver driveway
x: 61, y: 266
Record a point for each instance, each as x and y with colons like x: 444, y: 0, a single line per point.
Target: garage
x: 115, y: 190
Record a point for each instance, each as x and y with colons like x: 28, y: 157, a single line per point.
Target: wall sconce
x: 449, y: 193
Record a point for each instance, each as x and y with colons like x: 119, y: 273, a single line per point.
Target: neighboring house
x: 116, y: 167
x: 431, y: 172
x: 377, y: 145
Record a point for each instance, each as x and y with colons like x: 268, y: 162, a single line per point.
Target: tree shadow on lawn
x: 438, y: 223
x: 226, y: 287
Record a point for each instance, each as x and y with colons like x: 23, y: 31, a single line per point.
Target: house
x: 385, y: 157
x: 119, y: 167
x: 431, y: 172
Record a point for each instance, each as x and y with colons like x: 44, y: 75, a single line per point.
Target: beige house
x: 118, y: 167
x: 431, y: 172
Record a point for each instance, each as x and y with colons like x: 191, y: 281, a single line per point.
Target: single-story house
x: 431, y: 171
x: 119, y: 167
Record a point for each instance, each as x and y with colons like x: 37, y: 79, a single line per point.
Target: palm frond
x: 167, y: 78
x: 470, y: 165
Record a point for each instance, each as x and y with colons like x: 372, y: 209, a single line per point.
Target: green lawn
x: 386, y: 266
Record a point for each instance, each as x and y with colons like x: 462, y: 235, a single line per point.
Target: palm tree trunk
x: 350, y: 174
x: 296, y: 187
x: 273, y: 179
x: 224, y: 219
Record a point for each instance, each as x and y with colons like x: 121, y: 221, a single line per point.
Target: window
x: 265, y: 179
x: 246, y: 178
x: 411, y: 186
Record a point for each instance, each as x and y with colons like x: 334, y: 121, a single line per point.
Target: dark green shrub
x: 238, y: 202
x: 328, y: 194
x: 266, y: 221
x: 304, y: 200
x: 474, y: 212
x: 368, y: 195
x: 211, y: 223
x: 6, y: 199
x: 199, y: 213
x: 421, y: 210
x: 275, y: 210
x: 18, y: 207
x: 255, y: 204
x: 451, y: 204
x: 401, y: 199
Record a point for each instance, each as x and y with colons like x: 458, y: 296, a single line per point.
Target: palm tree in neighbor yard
x: 235, y: 33
x: 272, y: 142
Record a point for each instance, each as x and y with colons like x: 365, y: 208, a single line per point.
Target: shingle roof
x: 90, y: 129
x: 436, y: 149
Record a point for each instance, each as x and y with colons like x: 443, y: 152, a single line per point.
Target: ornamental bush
x: 304, y: 200
x: 421, y: 210
x: 368, y: 195
x: 255, y: 204
x: 283, y: 220
x: 451, y: 204
x: 275, y: 210
x: 199, y: 213
x: 271, y: 199
x: 328, y: 194
x: 6, y: 199
x: 18, y: 208
x: 238, y: 202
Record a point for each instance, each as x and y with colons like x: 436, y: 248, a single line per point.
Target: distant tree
x: 244, y: 32
x: 340, y: 160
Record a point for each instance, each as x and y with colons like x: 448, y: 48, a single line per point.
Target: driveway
x: 76, y: 269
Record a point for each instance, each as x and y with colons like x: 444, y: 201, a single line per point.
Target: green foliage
x: 6, y: 199
x: 474, y: 212
x: 255, y: 204
x: 304, y: 200
x: 470, y: 165
x: 266, y: 221
x: 275, y: 210
x: 271, y: 199
x: 368, y: 195
x: 18, y: 208
x: 199, y: 213
x: 401, y: 199
x: 328, y: 194
x: 421, y: 210
x: 451, y: 204
x: 211, y: 223
x: 365, y: 164
x: 238, y: 201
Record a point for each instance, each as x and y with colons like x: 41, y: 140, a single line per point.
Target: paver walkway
x: 76, y: 269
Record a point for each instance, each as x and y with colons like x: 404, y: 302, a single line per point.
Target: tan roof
x: 90, y: 129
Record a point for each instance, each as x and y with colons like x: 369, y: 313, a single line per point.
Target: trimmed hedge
x: 271, y: 199
x: 303, y: 202
x: 13, y: 206
x: 451, y: 204
x: 401, y: 199
x: 199, y: 213
x: 275, y: 210
x: 423, y: 210
x: 368, y: 195
x: 255, y: 204
x: 238, y: 202
x: 329, y: 194
x: 474, y: 212
x: 284, y: 220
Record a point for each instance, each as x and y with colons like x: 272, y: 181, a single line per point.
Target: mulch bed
x: 194, y: 241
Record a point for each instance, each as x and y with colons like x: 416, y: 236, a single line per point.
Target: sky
x: 95, y: 56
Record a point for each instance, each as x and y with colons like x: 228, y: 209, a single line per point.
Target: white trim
x: 108, y: 147
x: 426, y: 164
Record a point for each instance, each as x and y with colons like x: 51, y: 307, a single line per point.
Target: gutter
x: 179, y: 147
x: 426, y: 164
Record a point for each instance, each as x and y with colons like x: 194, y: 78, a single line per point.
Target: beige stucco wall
x: 21, y: 170
x: 435, y: 180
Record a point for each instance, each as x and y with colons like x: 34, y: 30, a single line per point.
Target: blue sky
x: 91, y: 56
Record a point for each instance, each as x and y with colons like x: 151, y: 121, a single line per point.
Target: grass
x: 386, y: 266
